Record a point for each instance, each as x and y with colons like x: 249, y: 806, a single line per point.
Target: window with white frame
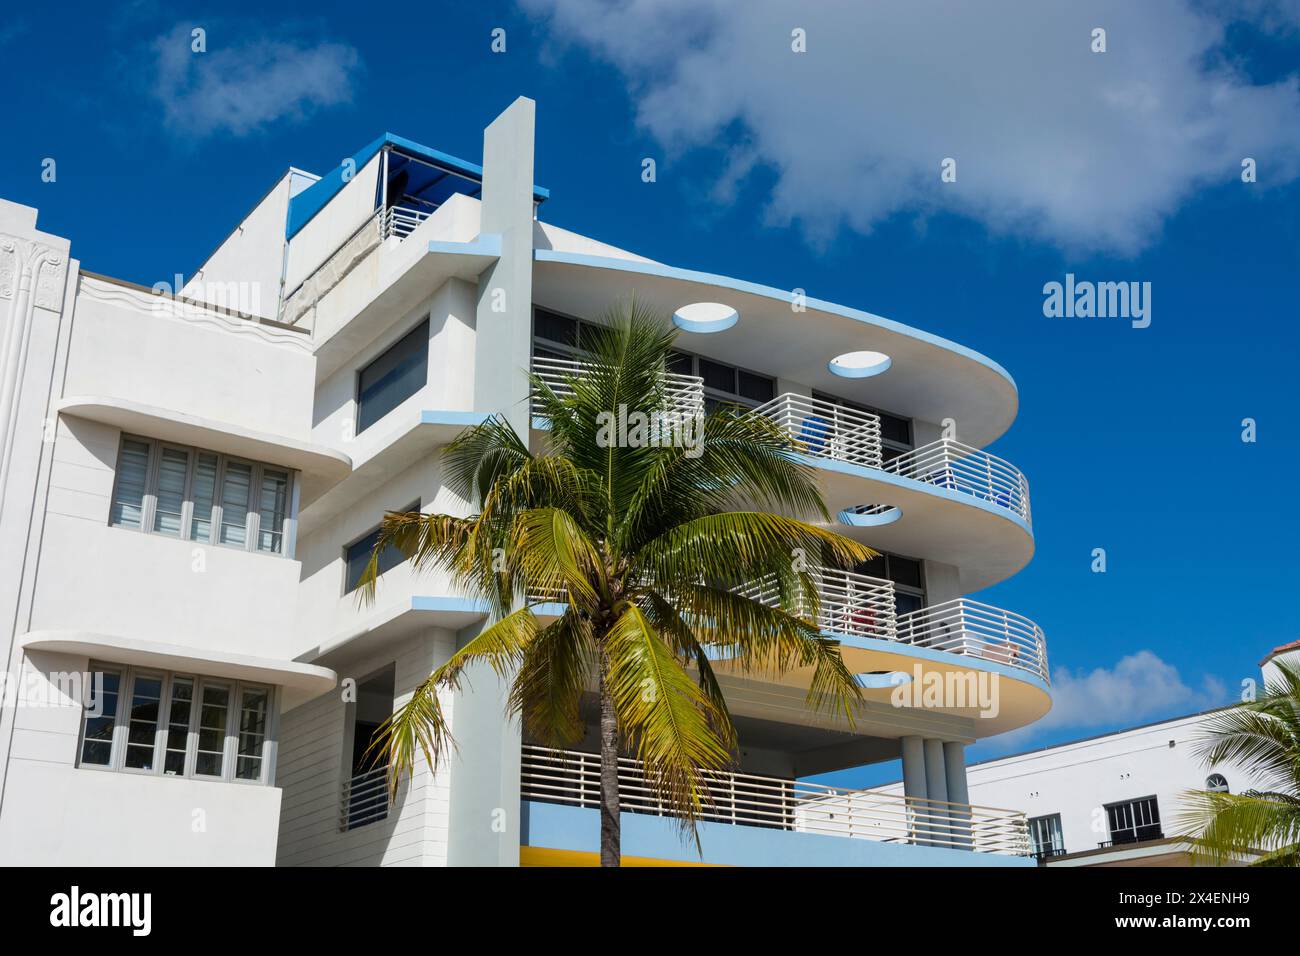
x: 199, y: 495
x: 1045, y: 836
x: 164, y: 723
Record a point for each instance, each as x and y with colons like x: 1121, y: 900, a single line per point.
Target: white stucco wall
x: 128, y: 344
x: 314, y: 752
x: 248, y: 263
x: 56, y: 813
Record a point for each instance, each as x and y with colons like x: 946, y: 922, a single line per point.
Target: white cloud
x: 1139, y: 687
x: 1089, y: 151
x: 245, y: 85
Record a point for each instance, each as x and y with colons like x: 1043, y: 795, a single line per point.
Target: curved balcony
x: 970, y: 471
x: 859, y: 606
x: 572, y: 778
x: 824, y: 430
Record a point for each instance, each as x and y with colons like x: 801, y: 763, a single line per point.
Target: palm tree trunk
x: 611, y: 853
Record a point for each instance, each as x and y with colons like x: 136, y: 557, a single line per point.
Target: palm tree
x: 1263, y: 738
x: 647, y: 546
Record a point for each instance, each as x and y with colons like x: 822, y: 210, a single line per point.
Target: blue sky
x: 822, y: 173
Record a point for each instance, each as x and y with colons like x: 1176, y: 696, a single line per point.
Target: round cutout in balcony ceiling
x: 882, y: 680
x: 705, y: 317
x: 870, y: 516
x: 860, y: 364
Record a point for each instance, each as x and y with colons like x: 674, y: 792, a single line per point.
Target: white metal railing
x: 826, y: 430
x: 950, y: 464
x: 364, y: 799
x: 572, y: 777
x: 685, y: 393
x: 400, y: 221
x: 861, y: 606
x: 849, y: 603
x: 978, y: 630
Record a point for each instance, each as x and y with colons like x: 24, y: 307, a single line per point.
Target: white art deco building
x: 191, y: 483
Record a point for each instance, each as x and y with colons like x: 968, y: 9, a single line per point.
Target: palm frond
x: 419, y: 726
x: 671, y: 724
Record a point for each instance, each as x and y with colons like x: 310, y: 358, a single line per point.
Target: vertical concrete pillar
x: 483, y: 825
x: 483, y: 771
x: 38, y: 280
x: 936, y: 785
x: 954, y: 765
x: 504, y: 318
x: 914, y: 789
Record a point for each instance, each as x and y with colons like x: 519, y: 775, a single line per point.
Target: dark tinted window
x: 718, y: 376
x: 896, y: 429
x: 557, y: 328
x: 757, y: 388
x: 904, y: 571
x: 680, y: 363
x: 393, y: 377
x: 357, y: 555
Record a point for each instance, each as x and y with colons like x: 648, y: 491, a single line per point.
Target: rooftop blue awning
x: 433, y: 178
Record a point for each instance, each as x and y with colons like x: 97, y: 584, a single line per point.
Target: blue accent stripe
x: 658, y: 838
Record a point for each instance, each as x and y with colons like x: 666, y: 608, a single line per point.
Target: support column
x: 504, y: 320
x: 936, y: 785
x: 954, y: 764
x: 914, y: 789
x: 483, y: 825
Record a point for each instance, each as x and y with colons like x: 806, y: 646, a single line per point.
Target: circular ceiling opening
x: 859, y: 364
x: 870, y: 516
x: 877, y: 680
x: 705, y: 317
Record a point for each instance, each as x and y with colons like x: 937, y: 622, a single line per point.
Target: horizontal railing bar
x: 573, y: 777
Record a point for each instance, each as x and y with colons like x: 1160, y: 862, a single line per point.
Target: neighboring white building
x: 1113, y: 799
x: 191, y: 483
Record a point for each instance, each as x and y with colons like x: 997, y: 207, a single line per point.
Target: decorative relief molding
x: 46, y: 265
x: 51, y: 271
x: 144, y: 302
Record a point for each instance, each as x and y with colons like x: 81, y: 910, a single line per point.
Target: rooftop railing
x: 684, y: 393
x: 741, y: 799
x: 401, y: 221
x: 826, y: 430
x: 950, y: 464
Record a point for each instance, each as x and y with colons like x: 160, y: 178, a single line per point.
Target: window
x: 895, y: 430
x: 1216, y: 783
x: 907, y: 574
x: 357, y: 555
x: 393, y: 377
x: 1045, y: 836
x: 148, y: 722
x: 97, y: 730
x: 725, y: 384
x: 1134, y: 821
x: 200, y: 496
